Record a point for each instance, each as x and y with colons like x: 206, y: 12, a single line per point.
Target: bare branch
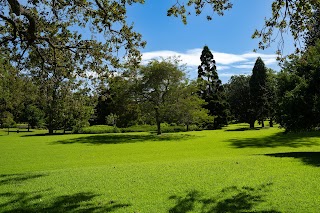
x: 6, y: 39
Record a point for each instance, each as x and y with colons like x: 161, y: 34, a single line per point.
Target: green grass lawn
x: 228, y: 170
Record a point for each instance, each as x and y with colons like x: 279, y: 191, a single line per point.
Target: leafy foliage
x: 34, y: 116
x: 313, y: 33
x: 294, y: 16
x: 13, y: 89
x: 238, y: 94
x: 51, y: 30
x: 299, y: 92
x: 272, y: 98
x: 159, y: 84
x: 189, y: 107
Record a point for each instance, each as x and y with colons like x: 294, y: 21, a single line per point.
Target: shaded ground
x: 231, y: 199
x: 308, y: 158
x: 12, y: 202
x: 124, y: 138
x: 79, y: 202
x: 47, y: 134
x: 279, y: 139
x: 18, y: 178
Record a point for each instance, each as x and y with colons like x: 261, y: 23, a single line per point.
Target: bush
x: 194, y: 127
x: 139, y: 128
x: 165, y: 128
x: 99, y: 129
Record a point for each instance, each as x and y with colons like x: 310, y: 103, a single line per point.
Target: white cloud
x: 224, y: 61
x: 244, y: 66
x: 226, y: 74
x: 192, y: 57
x: 227, y: 58
x: 223, y: 67
x: 249, y: 63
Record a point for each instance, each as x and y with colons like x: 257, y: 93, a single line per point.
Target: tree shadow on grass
x: 308, y: 158
x: 124, y: 138
x: 18, y: 178
x: 231, y: 199
x: 280, y: 139
x: 78, y: 202
x: 47, y: 134
x: 12, y: 202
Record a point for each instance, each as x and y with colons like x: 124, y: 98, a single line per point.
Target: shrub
x: 165, y: 128
x: 99, y: 129
x: 139, y: 128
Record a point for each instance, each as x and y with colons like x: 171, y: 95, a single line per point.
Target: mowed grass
x: 228, y: 170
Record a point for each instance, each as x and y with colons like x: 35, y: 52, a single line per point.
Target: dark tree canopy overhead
x: 52, y: 31
x: 313, y: 34
x: 32, y: 25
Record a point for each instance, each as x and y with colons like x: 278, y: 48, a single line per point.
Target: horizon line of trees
x: 160, y: 92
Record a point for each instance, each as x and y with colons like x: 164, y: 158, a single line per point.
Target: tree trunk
x: 52, y: 108
x: 262, y: 123
x: 28, y: 127
x: 64, y: 127
x: 50, y: 130
x: 158, y: 128
x: 158, y: 122
x: 251, y: 124
x: 187, y: 127
x: 271, y: 122
x: 8, y: 130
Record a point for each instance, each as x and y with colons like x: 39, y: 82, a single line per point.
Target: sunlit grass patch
x: 229, y: 170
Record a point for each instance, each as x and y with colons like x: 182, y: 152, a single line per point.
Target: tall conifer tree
x: 211, y: 89
x: 258, y: 92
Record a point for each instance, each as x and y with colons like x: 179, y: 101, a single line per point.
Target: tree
x: 76, y: 108
x: 103, y: 107
x: 211, y: 89
x: 58, y: 87
x: 272, y: 98
x: 159, y: 84
x: 189, y: 107
x: 34, y: 116
x: 118, y: 97
x: 299, y: 92
x: 313, y: 34
x: 5, y: 94
x: 112, y: 119
x: 11, y: 87
x: 238, y: 94
x: 7, y: 120
x: 19, y: 95
x: 258, y: 92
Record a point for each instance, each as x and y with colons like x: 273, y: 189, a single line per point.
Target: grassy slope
x: 226, y: 170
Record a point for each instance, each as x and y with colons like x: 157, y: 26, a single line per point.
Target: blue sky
x: 228, y: 36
